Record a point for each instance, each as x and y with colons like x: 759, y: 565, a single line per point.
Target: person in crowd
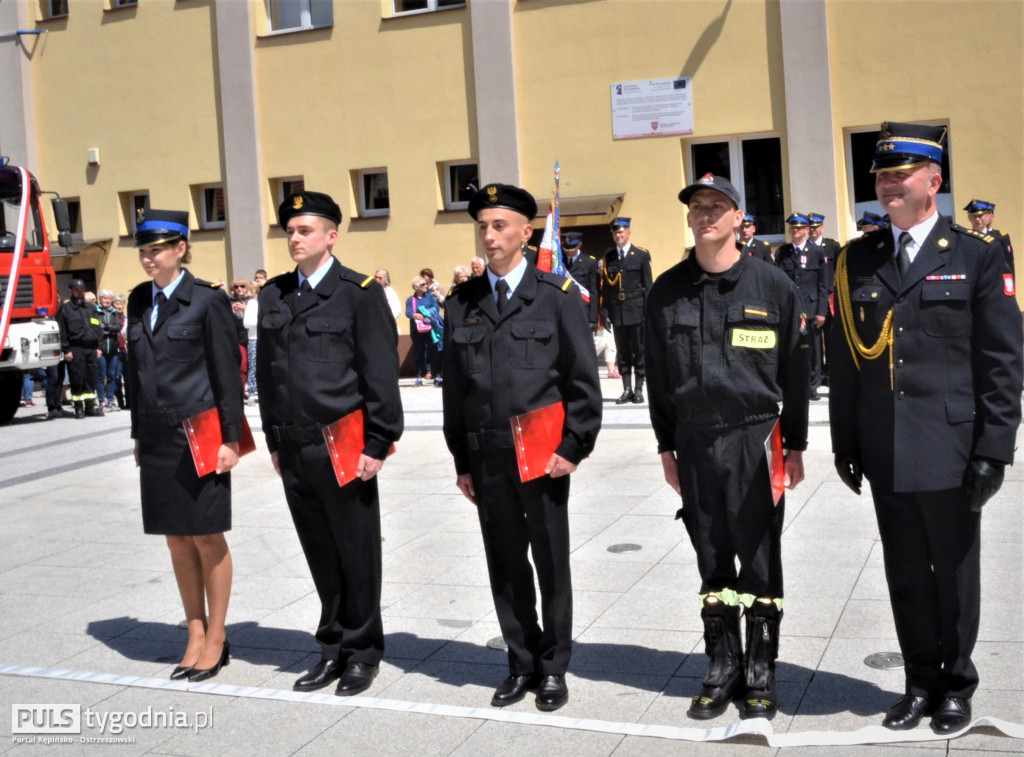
x: 518, y: 341
x: 28, y: 386
x: 394, y: 303
x: 109, y: 362
x: 259, y: 279
x: 182, y: 361
x: 120, y: 302
x: 327, y: 349
x: 724, y: 352
x: 924, y: 402
x: 459, y: 274
x: 250, y: 320
x: 869, y: 222
x: 982, y: 214
x: 80, y: 335
x: 425, y: 322
x: 750, y: 244
x: 476, y: 267
x: 432, y: 286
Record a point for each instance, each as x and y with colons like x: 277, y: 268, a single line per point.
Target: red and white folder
x: 204, y: 439
x: 537, y: 435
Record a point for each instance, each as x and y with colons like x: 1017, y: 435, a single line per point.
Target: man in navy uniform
x: 830, y: 249
x: 583, y: 269
x: 925, y: 402
x: 517, y: 341
x: 981, y: 214
x: 627, y: 280
x: 750, y: 244
x: 804, y: 263
x: 328, y: 347
x: 723, y: 345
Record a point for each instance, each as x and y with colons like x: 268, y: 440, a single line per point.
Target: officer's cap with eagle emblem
x: 308, y: 204
x: 902, y: 146
x: 159, y: 226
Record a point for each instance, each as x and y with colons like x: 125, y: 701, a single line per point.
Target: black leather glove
x: 850, y: 472
x: 982, y: 479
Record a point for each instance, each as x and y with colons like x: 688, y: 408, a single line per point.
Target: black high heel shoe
x: 181, y: 671
x: 198, y: 675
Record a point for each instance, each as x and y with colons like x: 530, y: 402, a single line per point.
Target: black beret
x: 503, y: 196
x: 308, y: 204
x: 158, y: 226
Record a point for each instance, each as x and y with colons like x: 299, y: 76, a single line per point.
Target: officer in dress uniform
x: 869, y: 222
x: 750, y: 244
x: 723, y: 345
x: 804, y: 263
x: 517, y: 341
x: 925, y: 402
x: 830, y: 248
x: 80, y: 334
x: 981, y: 214
x: 328, y: 348
x: 584, y: 270
x: 627, y: 280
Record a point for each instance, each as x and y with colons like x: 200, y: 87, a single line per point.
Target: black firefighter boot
x: 638, y: 393
x: 724, y: 679
x: 763, y: 619
x: 92, y: 409
x: 627, y: 387
x: 79, y: 409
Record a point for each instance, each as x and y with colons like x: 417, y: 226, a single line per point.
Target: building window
x: 54, y: 8
x: 860, y: 152
x: 374, y: 197
x: 403, y: 7
x: 125, y: 3
x: 75, y: 216
x: 460, y: 182
x: 212, y: 209
x: 288, y: 187
x: 289, y: 15
x: 754, y: 166
x: 133, y: 204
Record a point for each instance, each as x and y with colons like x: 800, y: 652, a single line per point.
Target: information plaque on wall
x: 651, y: 108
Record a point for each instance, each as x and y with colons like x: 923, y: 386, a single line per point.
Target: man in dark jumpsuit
x: 517, y: 341
x: 804, y: 263
x: 624, y: 286
x: 925, y: 401
x: 80, y: 334
x: 328, y: 348
x: 723, y: 348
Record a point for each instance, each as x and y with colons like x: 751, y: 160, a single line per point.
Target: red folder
x: 537, y: 435
x: 776, y: 462
x: 345, y: 443
x: 204, y: 440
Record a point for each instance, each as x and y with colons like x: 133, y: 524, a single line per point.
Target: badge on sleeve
x: 1008, y: 288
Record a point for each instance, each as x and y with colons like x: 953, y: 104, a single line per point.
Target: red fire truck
x: 29, y: 337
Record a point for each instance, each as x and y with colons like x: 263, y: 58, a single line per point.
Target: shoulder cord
x: 612, y: 281
x: 853, y: 340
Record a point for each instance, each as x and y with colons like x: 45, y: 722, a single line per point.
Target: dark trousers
x: 728, y: 509
x: 814, y: 337
x: 932, y: 551
x: 629, y: 347
x: 54, y: 385
x: 516, y: 518
x: 339, y: 529
x: 425, y: 354
x: 82, y: 373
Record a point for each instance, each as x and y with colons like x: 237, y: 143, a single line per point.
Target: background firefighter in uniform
x: 624, y: 286
x: 723, y: 348
x: 80, y: 334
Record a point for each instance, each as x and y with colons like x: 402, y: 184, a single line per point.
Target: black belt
x: 298, y: 434
x: 721, y: 424
x: 623, y: 296
x: 479, y: 440
x: 172, y: 416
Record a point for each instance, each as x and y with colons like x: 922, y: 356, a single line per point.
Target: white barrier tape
x: 875, y: 734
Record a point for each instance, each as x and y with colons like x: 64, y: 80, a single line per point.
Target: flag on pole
x: 549, y: 257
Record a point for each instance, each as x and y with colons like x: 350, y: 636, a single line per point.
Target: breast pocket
x: 944, y: 308
x: 867, y: 311
x: 327, y: 339
x: 682, y: 325
x: 135, y: 330
x: 184, y: 342
x: 468, y: 343
x: 752, y: 334
x: 531, y: 344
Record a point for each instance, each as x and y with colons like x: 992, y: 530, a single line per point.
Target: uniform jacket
x: 79, y: 325
x: 623, y: 301
x: 584, y: 270
x: 831, y: 249
x: 540, y: 351
x: 808, y: 271
x: 956, y: 375
x: 758, y: 248
x: 328, y: 353
x: 1004, y: 242
x: 188, y: 363
x: 708, y: 363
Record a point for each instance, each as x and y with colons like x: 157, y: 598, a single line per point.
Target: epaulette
x: 274, y: 279
x: 639, y: 249
x: 357, y: 278
x: 210, y: 284
x: 591, y: 257
x: 559, y: 282
x: 987, y: 238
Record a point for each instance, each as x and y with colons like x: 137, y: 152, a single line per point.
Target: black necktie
x: 502, y: 289
x: 903, y: 255
x: 305, y: 288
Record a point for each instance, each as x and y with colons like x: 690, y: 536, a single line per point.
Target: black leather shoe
x: 906, y: 713
x: 356, y: 679
x: 512, y: 690
x: 552, y: 693
x: 198, y: 675
x: 952, y: 715
x: 180, y: 672
x: 638, y: 397
x: 323, y: 673
x: 626, y: 396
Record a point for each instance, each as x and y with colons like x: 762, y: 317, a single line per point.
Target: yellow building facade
x: 398, y: 108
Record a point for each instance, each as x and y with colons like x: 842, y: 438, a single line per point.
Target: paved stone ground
x: 81, y: 588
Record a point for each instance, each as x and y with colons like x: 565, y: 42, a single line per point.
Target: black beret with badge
x: 308, y: 204
x: 503, y: 196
